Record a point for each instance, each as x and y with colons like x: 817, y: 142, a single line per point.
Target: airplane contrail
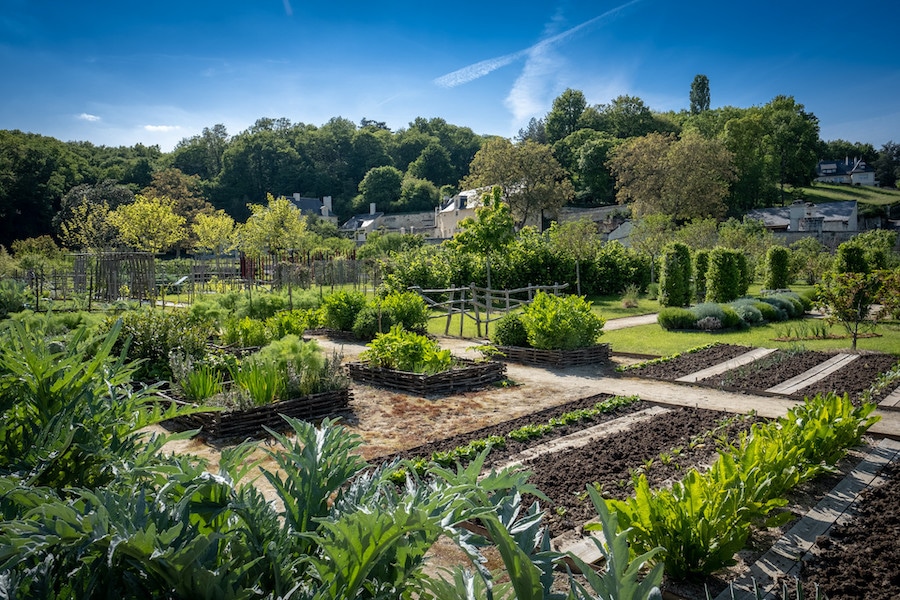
x: 480, y: 69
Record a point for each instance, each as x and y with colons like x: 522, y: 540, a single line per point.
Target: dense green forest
x: 700, y: 162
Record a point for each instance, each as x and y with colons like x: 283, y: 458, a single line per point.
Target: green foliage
x: 69, y: 414
x: 726, y: 276
x: 624, y: 576
x: 151, y: 335
x: 613, y: 268
x: 561, y: 323
x: 407, y: 309
x: 261, y: 380
x: 851, y: 258
x: 245, y: 332
x: 199, y: 382
x: 340, y: 309
x: 770, y: 313
x: 701, y: 266
x: 12, y: 297
x: 673, y: 317
x: 704, y: 519
x: 778, y: 268
x: 847, y: 299
x: 746, y: 309
x: 510, y: 331
x: 675, y: 275
x: 403, y: 350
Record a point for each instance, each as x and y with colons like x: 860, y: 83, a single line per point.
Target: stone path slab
x: 737, y: 361
x: 787, y: 555
x: 892, y: 399
x: 813, y: 375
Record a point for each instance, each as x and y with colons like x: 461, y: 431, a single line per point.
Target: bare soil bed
x: 862, y: 557
x: 781, y: 365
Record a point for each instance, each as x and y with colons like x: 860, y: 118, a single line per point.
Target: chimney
x: 296, y: 196
x: 326, y: 206
x: 371, y: 208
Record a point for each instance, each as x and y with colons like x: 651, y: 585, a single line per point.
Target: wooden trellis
x: 482, y: 305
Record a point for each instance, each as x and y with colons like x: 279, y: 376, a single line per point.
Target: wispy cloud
x: 289, y: 11
x: 536, y: 52
x: 88, y: 117
x: 161, y: 128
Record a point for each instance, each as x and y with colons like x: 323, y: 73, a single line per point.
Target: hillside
x: 828, y: 192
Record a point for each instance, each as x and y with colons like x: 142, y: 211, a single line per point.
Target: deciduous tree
x: 531, y: 179
x: 148, y: 224
x: 578, y: 239
x: 490, y: 230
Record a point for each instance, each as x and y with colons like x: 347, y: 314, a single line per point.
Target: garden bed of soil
x: 689, y: 362
x: 860, y: 558
x: 773, y: 369
x: 512, y: 447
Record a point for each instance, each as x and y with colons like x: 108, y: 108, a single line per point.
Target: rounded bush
x: 341, y: 309
x: 369, y: 322
x: 674, y: 317
x: 783, y: 306
x: 561, y: 322
x: 510, y: 331
x: 747, y: 311
x: 770, y: 313
x: 731, y: 319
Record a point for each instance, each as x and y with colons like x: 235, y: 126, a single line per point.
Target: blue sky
x: 119, y: 73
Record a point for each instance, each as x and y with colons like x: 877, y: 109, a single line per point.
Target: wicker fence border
x: 466, y: 375
x: 253, y: 421
x: 554, y: 358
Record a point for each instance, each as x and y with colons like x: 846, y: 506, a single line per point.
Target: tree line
x: 695, y: 163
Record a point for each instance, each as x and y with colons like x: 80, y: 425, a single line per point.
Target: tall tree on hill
x: 686, y: 178
x: 793, y: 142
x: 565, y: 115
x: 699, y: 94
x: 887, y: 165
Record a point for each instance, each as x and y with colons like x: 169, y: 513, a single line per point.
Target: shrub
x: 510, y: 331
x: 340, y: 309
x: 770, y: 312
x: 747, y: 311
x: 851, y: 258
x: 731, y: 319
x: 245, y: 332
x: 727, y: 275
x: 371, y: 321
x: 709, y: 323
x: 797, y: 307
x: 561, y: 322
x: 152, y: 335
x: 12, y: 297
x: 673, y: 317
x: 675, y: 276
x: 709, y: 309
x: 406, y: 351
x: 778, y: 268
x: 407, y: 309
x: 701, y: 266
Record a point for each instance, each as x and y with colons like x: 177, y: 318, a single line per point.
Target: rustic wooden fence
x: 481, y: 305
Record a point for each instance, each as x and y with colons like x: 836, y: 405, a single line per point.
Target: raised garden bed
x: 465, y: 375
x: 577, y: 357
x: 252, y: 422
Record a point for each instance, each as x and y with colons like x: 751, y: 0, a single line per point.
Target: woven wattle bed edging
x: 252, y: 421
x: 554, y: 358
x: 466, y: 375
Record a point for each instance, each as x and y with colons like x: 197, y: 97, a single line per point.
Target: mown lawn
x: 829, y: 192
x: 653, y: 339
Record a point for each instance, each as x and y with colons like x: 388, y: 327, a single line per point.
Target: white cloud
x: 161, y: 128
x: 532, y: 89
x: 485, y: 67
x: 88, y: 117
